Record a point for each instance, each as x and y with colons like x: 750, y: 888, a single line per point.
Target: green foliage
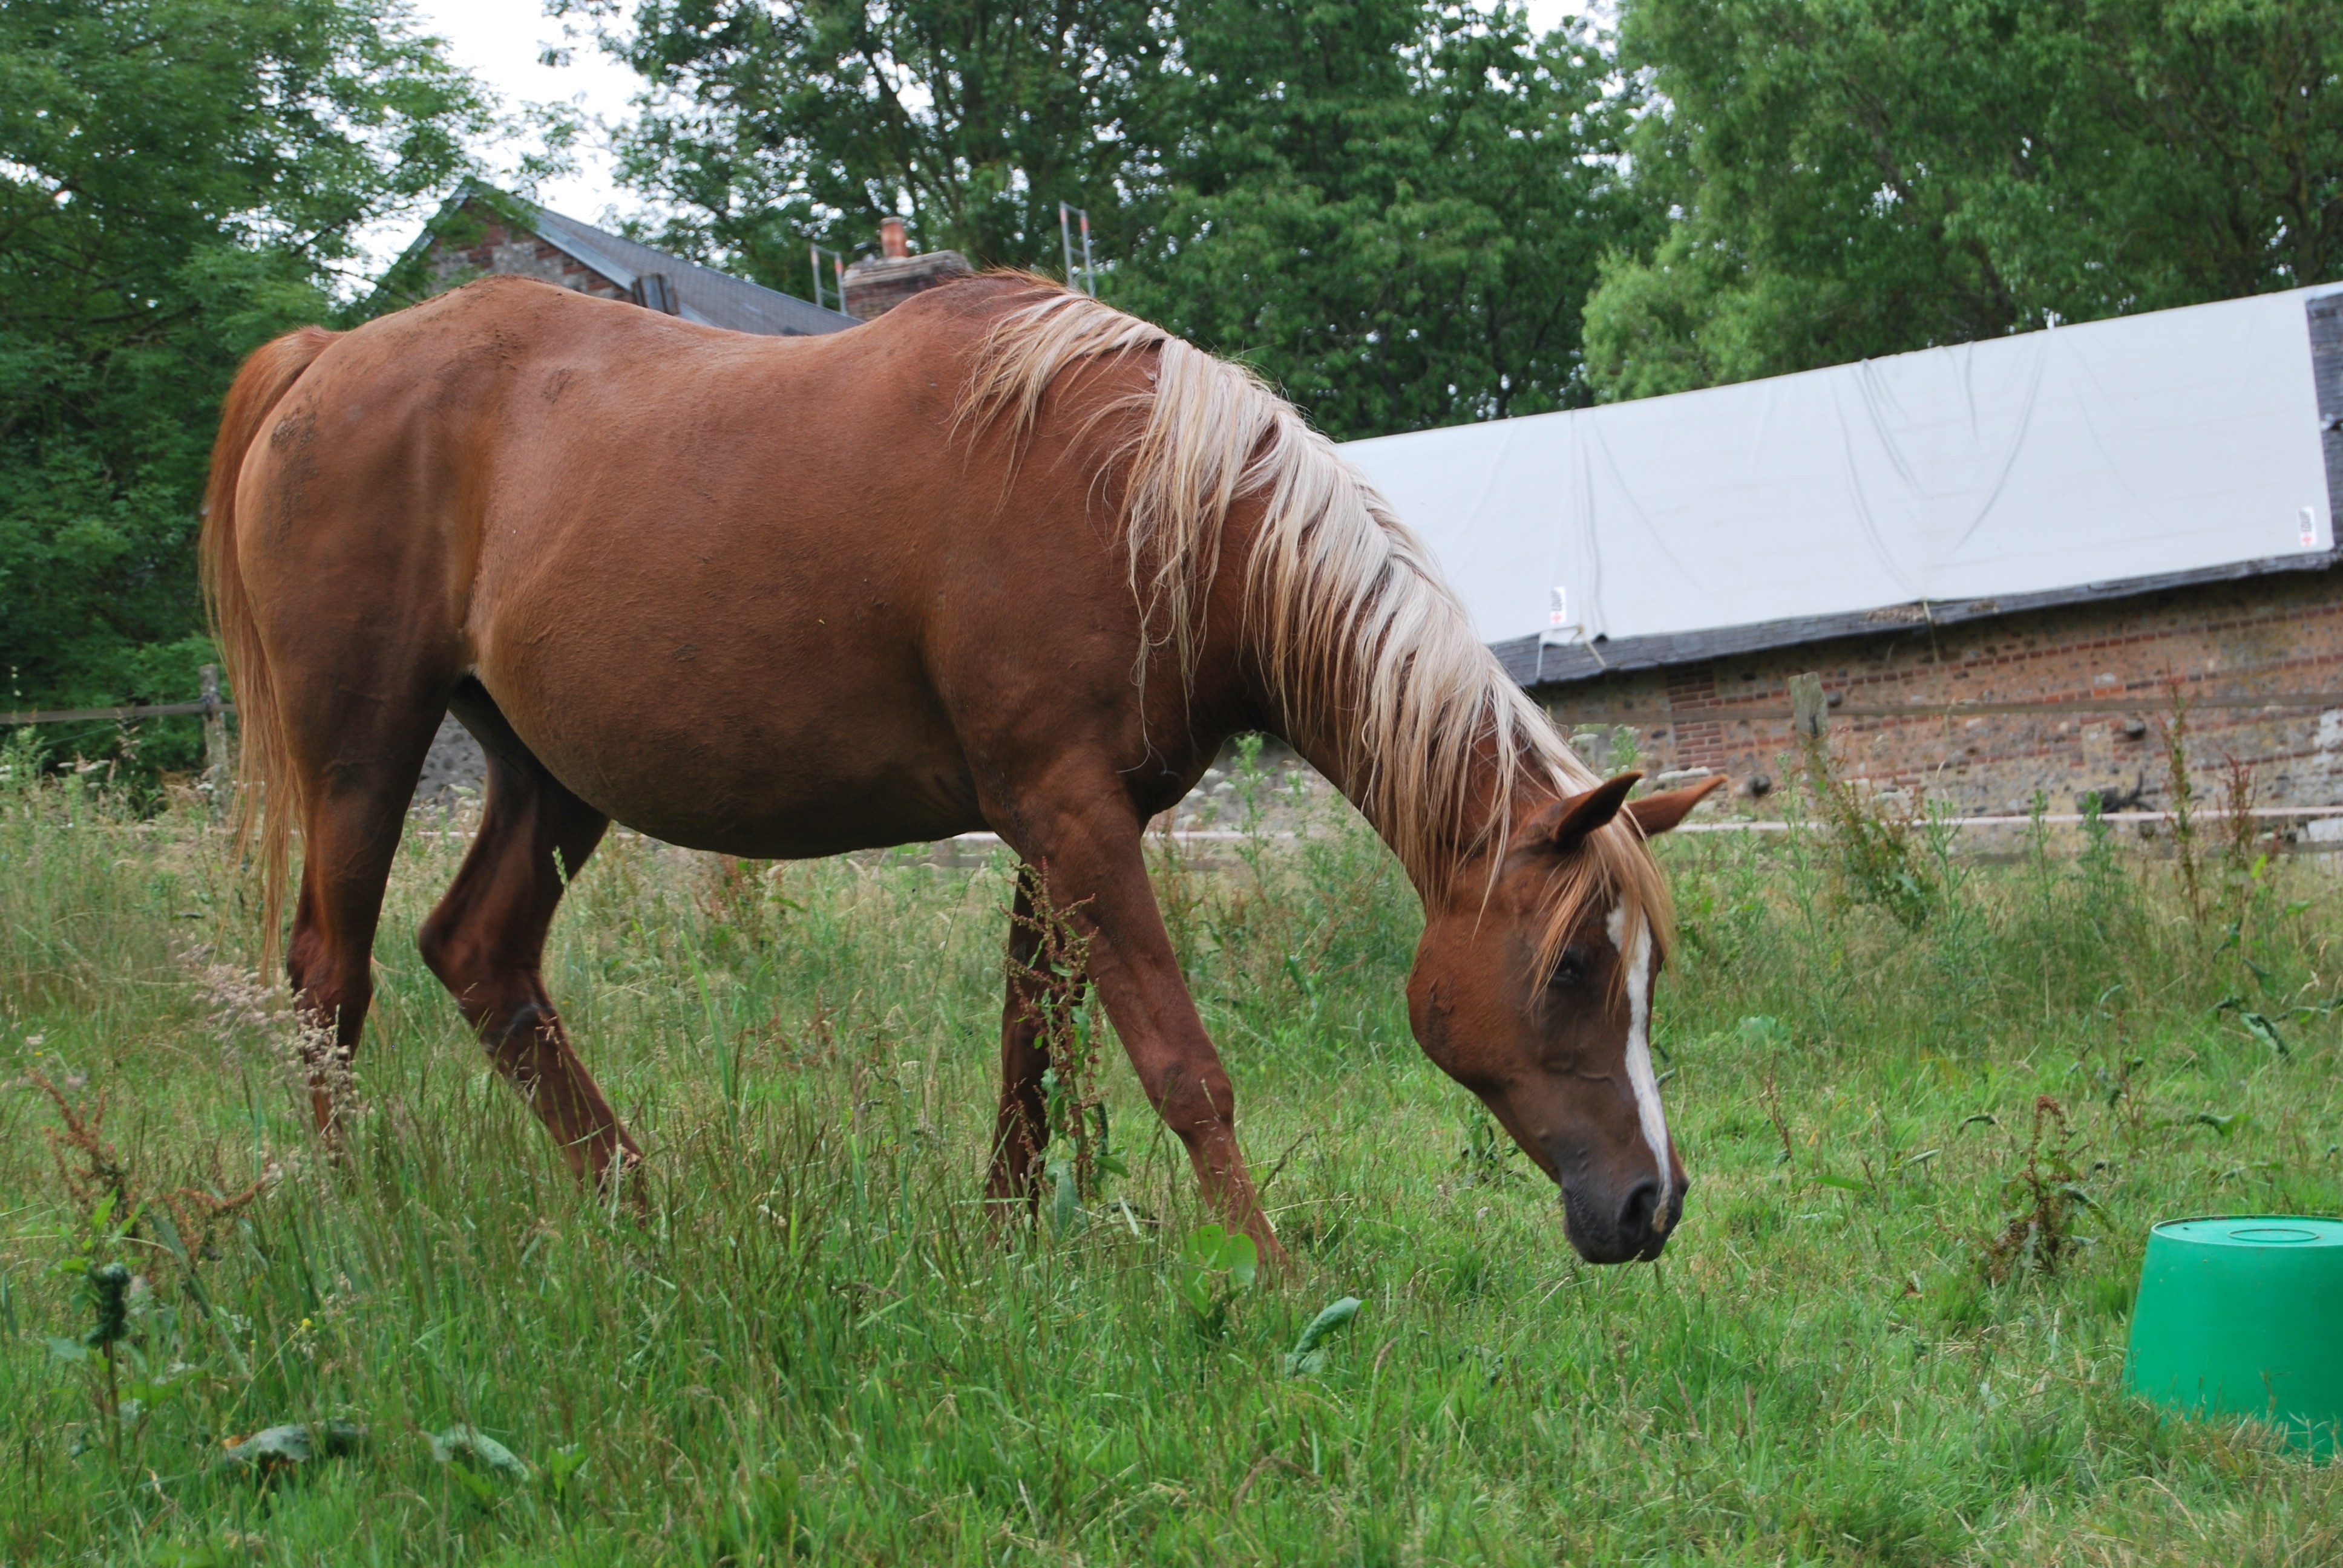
x: 1215, y: 1266
x: 1309, y: 1353
x: 756, y: 1521
x: 1409, y: 215
x: 1879, y: 852
x: 180, y: 180
x: 818, y: 1343
x: 1849, y: 180
x: 1391, y: 210
x: 2047, y: 1192
x: 781, y: 124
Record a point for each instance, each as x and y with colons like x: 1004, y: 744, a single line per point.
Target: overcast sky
x: 503, y: 42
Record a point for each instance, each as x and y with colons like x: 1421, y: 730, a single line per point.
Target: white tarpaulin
x: 2117, y: 449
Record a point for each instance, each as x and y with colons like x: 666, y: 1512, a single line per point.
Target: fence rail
x: 143, y: 710
x: 214, y: 706
x: 210, y: 705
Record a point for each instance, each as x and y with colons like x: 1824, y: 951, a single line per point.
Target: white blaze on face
x: 1637, y: 956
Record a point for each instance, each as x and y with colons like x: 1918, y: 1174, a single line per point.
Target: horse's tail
x: 266, y: 789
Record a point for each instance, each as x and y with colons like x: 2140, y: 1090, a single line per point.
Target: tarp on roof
x: 2133, y: 448
x: 706, y: 296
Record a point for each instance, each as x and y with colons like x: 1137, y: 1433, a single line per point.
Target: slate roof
x: 711, y: 298
x: 1539, y: 660
x: 703, y: 294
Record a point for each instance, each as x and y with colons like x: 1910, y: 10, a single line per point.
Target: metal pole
x: 1066, y: 243
x: 823, y: 294
x: 1090, y: 278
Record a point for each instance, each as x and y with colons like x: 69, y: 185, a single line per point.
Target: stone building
x: 1982, y: 711
x: 482, y: 231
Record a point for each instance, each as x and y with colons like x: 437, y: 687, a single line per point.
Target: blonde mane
x: 1359, y: 637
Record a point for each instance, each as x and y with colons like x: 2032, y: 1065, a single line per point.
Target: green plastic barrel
x: 2244, y: 1316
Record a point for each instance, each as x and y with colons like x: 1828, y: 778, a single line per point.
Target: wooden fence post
x: 1809, y: 713
x: 215, y: 764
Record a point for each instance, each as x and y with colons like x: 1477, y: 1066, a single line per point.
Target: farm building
x: 483, y: 232
x: 2003, y: 558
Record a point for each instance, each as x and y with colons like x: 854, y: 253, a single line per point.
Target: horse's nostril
x: 1636, y: 1216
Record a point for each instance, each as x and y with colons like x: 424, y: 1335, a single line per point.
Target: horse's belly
x: 775, y: 809
x: 791, y: 769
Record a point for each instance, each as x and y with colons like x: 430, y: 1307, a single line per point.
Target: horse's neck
x: 1353, y: 776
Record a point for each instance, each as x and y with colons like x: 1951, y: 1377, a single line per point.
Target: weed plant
x: 1890, y: 1330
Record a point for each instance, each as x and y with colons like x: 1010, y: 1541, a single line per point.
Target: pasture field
x: 1927, y: 1135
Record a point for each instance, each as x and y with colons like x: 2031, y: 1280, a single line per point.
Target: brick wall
x: 2277, y: 634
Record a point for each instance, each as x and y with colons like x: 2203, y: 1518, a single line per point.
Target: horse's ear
x: 1564, y: 825
x: 1655, y: 814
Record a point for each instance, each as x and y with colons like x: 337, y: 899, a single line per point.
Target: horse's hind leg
x: 1022, y: 1130
x: 486, y: 942
x: 353, y: 806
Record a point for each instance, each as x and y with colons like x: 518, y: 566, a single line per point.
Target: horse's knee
x: 330, y: 993
x: 1192, y: 1099
x: 451, y: 949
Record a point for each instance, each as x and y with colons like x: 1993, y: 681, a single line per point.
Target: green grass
x: 819, y: 1344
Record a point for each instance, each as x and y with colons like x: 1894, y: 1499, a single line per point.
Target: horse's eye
x: 1569, y: 970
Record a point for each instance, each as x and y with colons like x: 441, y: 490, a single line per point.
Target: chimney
x: 876, y: 284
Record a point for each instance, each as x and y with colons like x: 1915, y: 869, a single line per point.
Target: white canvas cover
x: 2168, y: 442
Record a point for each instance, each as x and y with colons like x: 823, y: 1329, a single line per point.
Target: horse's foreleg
x: 1096, y: 872
x: 486, y: 942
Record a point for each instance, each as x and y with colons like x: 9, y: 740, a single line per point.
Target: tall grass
x: 818, y: 1343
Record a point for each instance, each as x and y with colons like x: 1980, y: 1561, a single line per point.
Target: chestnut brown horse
x: 1004, y: 558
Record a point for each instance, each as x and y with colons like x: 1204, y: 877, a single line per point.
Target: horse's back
x: 732, y: 591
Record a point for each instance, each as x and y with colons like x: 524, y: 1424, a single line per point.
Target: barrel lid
x: 2255, y: 1231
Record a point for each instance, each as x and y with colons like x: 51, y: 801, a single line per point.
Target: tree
x: 179, y: 181
x: 1857, y: 177
x: 1393, y: 211
x: 770, y: 126
x: 1393, y: 208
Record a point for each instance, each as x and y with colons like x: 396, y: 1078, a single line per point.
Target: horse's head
x: 1534, y: 991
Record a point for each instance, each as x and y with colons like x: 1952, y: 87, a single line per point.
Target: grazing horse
x: 1004, y: 558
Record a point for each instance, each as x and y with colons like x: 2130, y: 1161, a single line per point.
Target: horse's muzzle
x: 1608, y: 1229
